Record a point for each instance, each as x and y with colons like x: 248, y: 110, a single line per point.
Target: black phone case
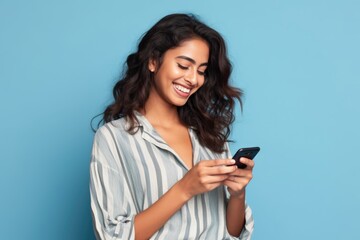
x: 245, y: 152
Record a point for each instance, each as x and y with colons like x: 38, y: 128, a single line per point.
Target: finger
x: 237, y: 179
x: 242, y: 172
x: 221, y: 170
x: 236, y: 183
x: 215, y: 179
x: 231, y: 184
x: 232, y: 178
x: 217, y: 170
x: 248, y: 162
x: 218, y: 162
x: 235, y: 186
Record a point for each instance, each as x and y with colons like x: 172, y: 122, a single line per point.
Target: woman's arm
x: 153, y: 218
x: 203, y: 177
x: 236, y: 183
x: 235, y: 214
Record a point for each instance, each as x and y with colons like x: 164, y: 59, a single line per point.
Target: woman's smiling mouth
x: 181, y: 90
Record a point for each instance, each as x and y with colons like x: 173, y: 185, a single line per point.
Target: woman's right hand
x: 205, y: 176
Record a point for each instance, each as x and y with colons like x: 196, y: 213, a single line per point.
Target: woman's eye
x: 201, y: 73
x: 182, y: 67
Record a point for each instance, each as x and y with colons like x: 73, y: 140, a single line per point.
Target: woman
x: 161, y: 167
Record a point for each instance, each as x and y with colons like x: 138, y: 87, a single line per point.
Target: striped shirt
x: 128, y: 173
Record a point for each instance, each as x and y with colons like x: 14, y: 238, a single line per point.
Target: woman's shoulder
x: 118, y: 126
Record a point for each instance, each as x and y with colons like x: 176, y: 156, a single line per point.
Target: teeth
x: 181, y: 88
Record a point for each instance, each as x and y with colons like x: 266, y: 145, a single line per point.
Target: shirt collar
x: 147, y: 130
x: 149, y: 133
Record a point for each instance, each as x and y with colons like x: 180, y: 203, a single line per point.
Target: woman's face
x: 181, y: 73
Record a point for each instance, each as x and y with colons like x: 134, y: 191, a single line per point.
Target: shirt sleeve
x: 113, y: 211
x: 248, y: 229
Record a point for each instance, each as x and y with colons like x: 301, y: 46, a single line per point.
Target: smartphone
x: 249, y: 152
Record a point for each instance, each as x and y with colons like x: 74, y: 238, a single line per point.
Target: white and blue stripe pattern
x: 128, y: 173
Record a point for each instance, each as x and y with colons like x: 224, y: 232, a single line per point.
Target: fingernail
x: 232, y: 161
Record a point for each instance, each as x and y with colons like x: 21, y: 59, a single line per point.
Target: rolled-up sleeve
x: 113, y: 211
x: 249, y: 224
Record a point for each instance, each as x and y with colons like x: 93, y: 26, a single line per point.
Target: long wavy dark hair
x: 209, y: 111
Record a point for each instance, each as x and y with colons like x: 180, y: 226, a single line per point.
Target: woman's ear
x: 152, y: 65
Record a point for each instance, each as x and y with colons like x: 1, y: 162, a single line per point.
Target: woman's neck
x: 160, y: 113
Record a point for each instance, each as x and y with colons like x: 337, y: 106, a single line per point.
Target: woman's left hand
x: 240, y: 178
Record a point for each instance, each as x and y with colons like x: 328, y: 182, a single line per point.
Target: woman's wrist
x: 238, y: 196
x: 181, y: 191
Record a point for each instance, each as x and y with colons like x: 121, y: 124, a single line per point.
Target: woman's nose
x: 191, y: 76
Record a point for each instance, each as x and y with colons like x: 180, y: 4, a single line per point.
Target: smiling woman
x: 161, y: 166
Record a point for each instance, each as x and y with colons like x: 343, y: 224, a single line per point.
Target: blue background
x: 298, y: 62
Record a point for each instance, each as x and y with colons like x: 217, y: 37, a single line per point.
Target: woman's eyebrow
x: 191, y: 60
